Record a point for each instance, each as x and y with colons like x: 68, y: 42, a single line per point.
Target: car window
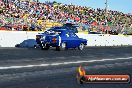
x: 73, y: 35
x: 67, y: 34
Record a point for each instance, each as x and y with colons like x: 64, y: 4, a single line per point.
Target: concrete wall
x: 106, y: 39
x: 27, y: 39
x: 12, y: 38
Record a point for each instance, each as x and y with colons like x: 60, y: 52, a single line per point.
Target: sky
x: 124, y: 6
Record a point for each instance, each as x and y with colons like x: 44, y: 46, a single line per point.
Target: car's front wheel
x: 81, y: 46
x: 62, y: 47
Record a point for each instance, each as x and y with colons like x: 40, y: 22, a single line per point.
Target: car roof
x: 57, y: 27
x: 60, y: 28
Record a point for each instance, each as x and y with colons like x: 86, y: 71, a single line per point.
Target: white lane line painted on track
x: 62, y: 63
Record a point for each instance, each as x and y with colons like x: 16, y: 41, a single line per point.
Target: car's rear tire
x: 44, y: 47
x: 35, y: 46
x: 81, y: 46
x: 58, y: 48
x: 62, y: 47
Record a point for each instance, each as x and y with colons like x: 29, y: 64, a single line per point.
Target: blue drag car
x: 61, y: 39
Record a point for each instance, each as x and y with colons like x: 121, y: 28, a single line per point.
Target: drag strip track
x: 34, y: 68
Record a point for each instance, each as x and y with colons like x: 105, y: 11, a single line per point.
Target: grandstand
x: 38, y: 16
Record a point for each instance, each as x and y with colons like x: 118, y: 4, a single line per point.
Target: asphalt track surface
x: 34, y: 68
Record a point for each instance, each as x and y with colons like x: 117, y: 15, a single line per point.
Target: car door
x: 68, y: 39
x: 76, y: 40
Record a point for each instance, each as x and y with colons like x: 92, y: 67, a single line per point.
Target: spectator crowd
x: 27, y: 14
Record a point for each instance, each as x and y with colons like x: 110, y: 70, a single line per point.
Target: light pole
x: 106, y: 10
x: 6, y: 1
x: 106, y: 14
